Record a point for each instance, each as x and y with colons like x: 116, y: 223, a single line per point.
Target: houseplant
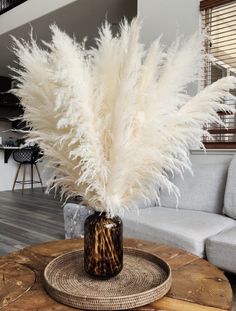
x: 114, y: 121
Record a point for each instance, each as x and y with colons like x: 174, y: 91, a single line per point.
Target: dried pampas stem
x: 115, y: 121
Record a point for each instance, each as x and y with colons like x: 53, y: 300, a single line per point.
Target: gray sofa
x: 204, y: 221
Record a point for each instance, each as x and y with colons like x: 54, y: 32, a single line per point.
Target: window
x: 219, y: 18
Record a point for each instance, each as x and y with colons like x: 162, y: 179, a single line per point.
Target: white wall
x: 168, y: 17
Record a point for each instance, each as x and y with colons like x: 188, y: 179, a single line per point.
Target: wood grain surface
x: 29, y: 219
x: 197, y: 285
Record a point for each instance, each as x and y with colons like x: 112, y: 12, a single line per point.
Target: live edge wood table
x: 197, y: 285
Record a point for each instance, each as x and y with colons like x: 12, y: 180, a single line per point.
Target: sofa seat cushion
x: 185, y: 229
x: 204, y: 190
x: 230, y: 191
x: 221, y: 250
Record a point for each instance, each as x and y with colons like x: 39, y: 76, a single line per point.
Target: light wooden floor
x: 34, y: 218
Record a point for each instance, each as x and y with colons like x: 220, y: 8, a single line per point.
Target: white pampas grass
x: 115, y: 121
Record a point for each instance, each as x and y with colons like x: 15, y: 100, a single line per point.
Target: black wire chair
x: 27, y: 156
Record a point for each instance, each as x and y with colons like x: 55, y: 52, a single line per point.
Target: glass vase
x: 103, y: 245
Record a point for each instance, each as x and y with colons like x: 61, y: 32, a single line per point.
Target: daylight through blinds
x: 220, y: 22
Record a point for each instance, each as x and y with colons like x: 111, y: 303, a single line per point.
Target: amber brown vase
x: 103, y: 245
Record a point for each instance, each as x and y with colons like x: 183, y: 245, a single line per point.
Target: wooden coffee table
x: 197, y: 285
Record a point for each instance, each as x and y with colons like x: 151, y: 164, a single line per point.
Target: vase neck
x: 102, y: 214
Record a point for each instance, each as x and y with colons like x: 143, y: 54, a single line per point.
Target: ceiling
x: 80, y: 19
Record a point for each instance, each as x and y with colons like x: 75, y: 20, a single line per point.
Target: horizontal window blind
x: 219, y: 18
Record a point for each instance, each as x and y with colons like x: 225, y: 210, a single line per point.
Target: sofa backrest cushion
x: 204, y: 190
x: 230, y: 191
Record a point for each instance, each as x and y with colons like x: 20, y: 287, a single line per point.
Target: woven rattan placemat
x: 144, y: 279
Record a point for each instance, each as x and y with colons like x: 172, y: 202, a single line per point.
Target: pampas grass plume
x: 115, y: 121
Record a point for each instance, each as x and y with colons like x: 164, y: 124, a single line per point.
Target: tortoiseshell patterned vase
x: 103, y: 245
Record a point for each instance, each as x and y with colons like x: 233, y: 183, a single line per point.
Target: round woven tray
x: 144, y: 279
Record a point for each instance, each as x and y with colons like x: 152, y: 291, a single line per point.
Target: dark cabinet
x: 9, y: 104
